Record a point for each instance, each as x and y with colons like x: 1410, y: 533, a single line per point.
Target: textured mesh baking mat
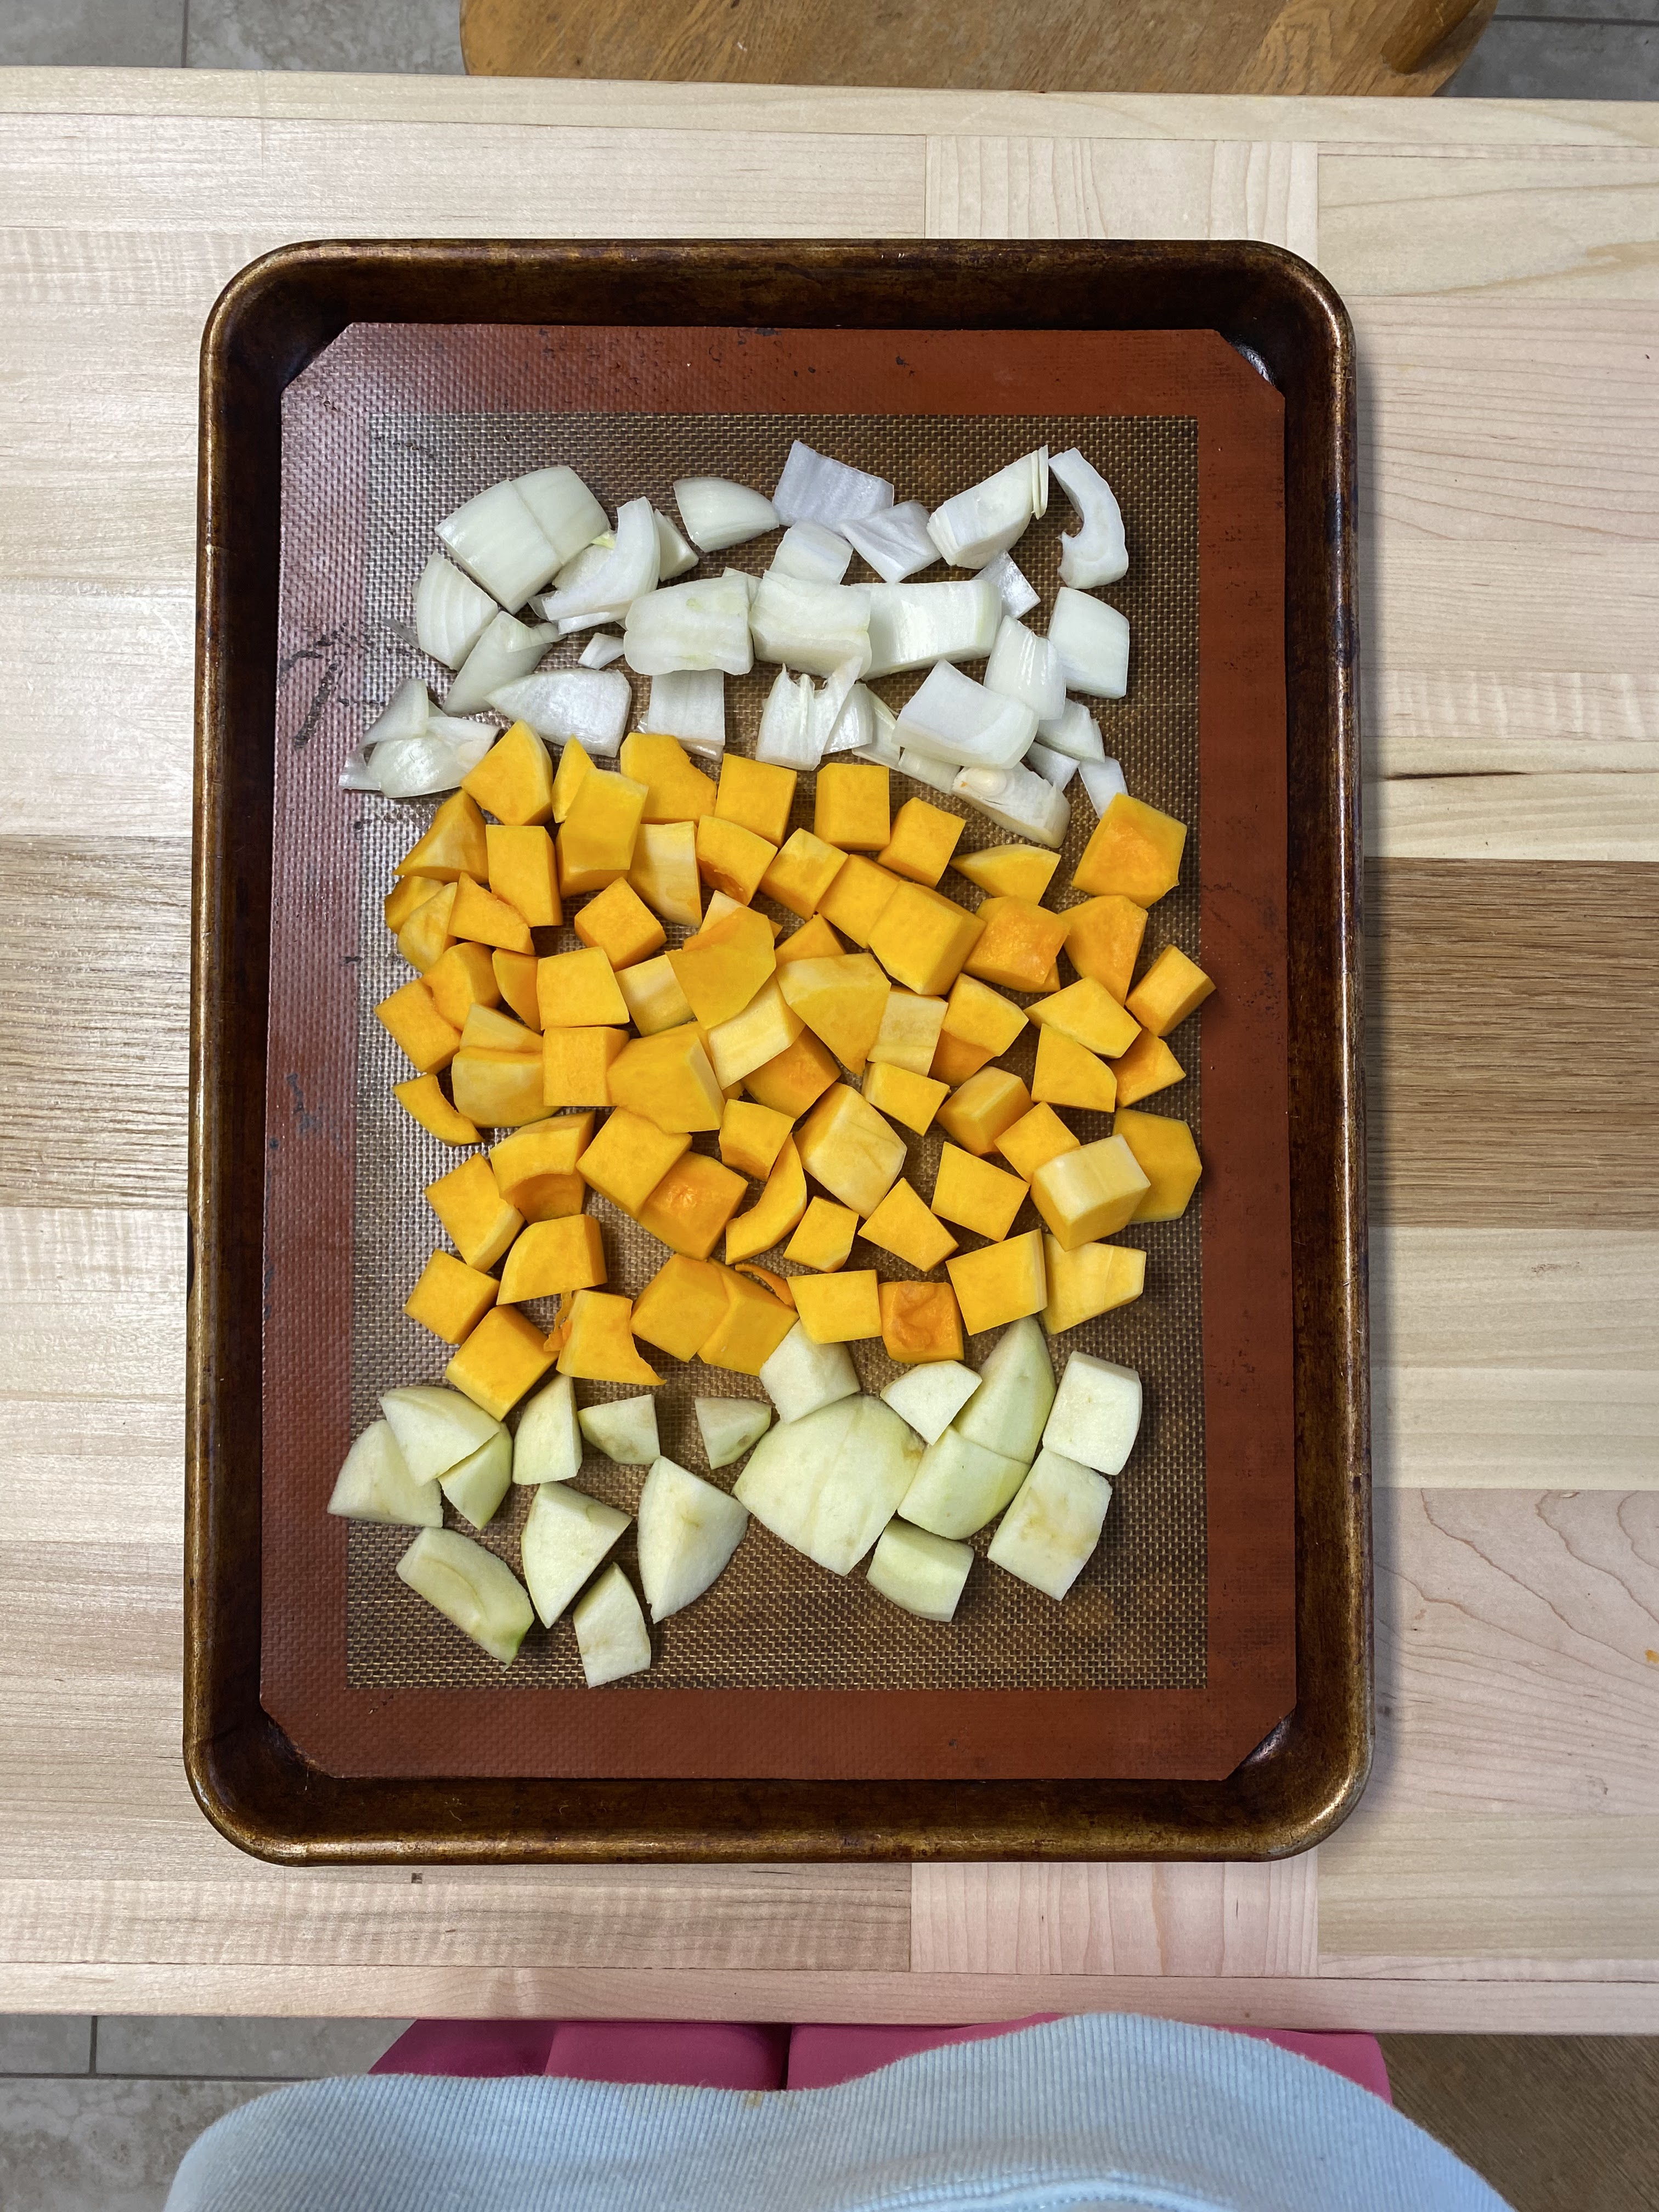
x: 1135, y: 1619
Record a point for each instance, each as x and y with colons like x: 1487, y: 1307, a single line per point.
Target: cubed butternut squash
x: 1135, y: 850
x: 536, y: 1166
x: 500, y: 1090
x: 921, y: 1321
x: 523, y: 870
x: 460, y: 979
x: 596, y: 843
x: 479, y: 915
x: 680, y: 1307
x: 692, y: 1204
x: 1000, y: 1283
x: 976, y: 1113
x: 1149, y: 1066
x: 574, y: 765
x: 1018, y: 944
x: 579, y: 990
x: 813, y: 940
x: 924, y: 837
x: 1067, y: 1074
x: 1009, y: 871
x: 840, y: 1307
x: 732, y: 859
x: 576, y: 1066
x: 664, y: 872
x: 802, y: 873
x: 776, y: 1213
x: 450, y: 1298
x: 469, y: 1203
x: 825, y: 1237
x: 1087, y: 1012
x: 906, y: 1097
x: 758, y: 795
x: 1102, y: 939
x: 858, y: 898
x: 903, y: 1225
x: 1172, y: 987
x: 504, y: 1356
x: 1095, y: 1278
x: 600, y: 1346
x: 548, y: 1258
x: 401, y: 901
x: 629, y: 1158
x: 722, y: 968
x: 842, y: 999
x: 668, y: 1079
x: 420, y: 1031
x: 850, y: 1148
x: 922, y: 939
x: 515, y: 981
x: 753, y: 1325
x: 852, y: 806
x: 1167, y: 1157
x: 795, y: 1079
x: 676, y: 788
x: 422, y: 1097
x: 651, y: 994
x: 975, y: 1194
x: 767, y: 1026
x: 454, y: 845
x: 427, y: 936
x: 514, y: 779
x: 1087, y: 1195
x: 910, y: 1032
x: 752, y: 1136
x: 617, y: 923
x: 1035, y: 1137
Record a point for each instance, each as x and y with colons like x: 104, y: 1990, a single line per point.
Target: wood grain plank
x: 1590, y: 607
x: 1461, y: 721
x: 1077, y: 187
x: 1218, y: 1920
x: 93, y: 1013
x: 1504, y: 817
x: 1513, y: 1042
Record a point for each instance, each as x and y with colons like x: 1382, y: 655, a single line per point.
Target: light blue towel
x: 1143, y: 2114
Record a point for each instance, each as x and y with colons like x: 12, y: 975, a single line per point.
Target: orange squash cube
x: 754, y: 1325
x: 722, y: 968
x: 1069, y: 1075
x: 813, y: 940
x: 484, y: 919
x: 596, y: 844
x: 1087, y: 1195
x: 450, y: 1298
x: 767, y: 1026
x: 601, y: 1347
x: 1147, y: 1067
x: 791, y: 1083
x: 1019, y: 946
x: 846, y: 1146
x: 499, y: 1089
x: 453, y: 844
x: 1035, y: 1137
x: 838, y: 1309
x: 1172, y: 987
x: 536, y: 1166
x: 752, y: 1136
x: 551, y: 1257
x: 1087, y: 1012
x: 515, y: 981
x: 469, y: 1203
x: 1167, y: 1157
x: 923, y: 937
x: 692, y: 1204
x: 852, y: 806
x: 825, y: 1237
x: 977, y: 1113
x: 576, y: 1066
x: 1135, y: 850
x: 720, y: 906
x: 617, y: 923
x: 668, y: 1079
x: 856, y: 901
x: 1102, y: 939
x: 629, y: 1158
x: 504, y: 1356
x: 426, y: 936
x: 573, y: 764
x: 460, y: 979
x: 653, y: 995
x: 402, y: 899
x: 757, y: 794
x: 776, y: 1213
x: 910, y: 1032
x: 802, y: 873
x: 732, y: 859
x: 975, y: 1194
x: 487, y: 1029
x: 955, y: 1059
x: 664, y: 872
x: 514, y: 779
x: 921, y: 1321
x: 903, y: 1095
x: 676, y: 789
x: 523, y: 872
x: 1095, y: 1279
x: 680, y: 1306
x: 579, y: 990
x: 924, y: 838
x: 422, y: 1097
x: 415, y: 1025
x: 1000, y: 1283
x: 902, y: 1225
x: 841, y: 999
x: 1009, y: 871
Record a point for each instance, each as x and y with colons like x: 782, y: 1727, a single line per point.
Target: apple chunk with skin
x: 1097, y: 1413
x: 829, y: 1485
x: 548, y: 1447
x: 566, y: 1534
x: 437, y: 1429
x: 471, y: 1587
x: 1049, y: 1532
x: 611, y: 1630
x: 729, y: 1425
x: 688, y: 1531
x: 1016, y: 1389
x: 374, y: 1483
x: 931, y: 1396
x: 925, y: 1574
x: 624, y: 1430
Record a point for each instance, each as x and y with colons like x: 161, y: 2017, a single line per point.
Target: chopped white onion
x: 470, y: 738
x: 786, y: 729
x: 854, y: 728
x: 1104, y: 781
x: 951, y: 718
x: 828, y: 704
x: 1018, y: 593
x: 881, y: 747
x: 894, y: 541
x: 446, y: 750
x: 498, y: 541
x: 913, y: 625
x: 689, y: 704
x: 988, y: 518
x: 702, y: 624
x: 628, y: 571
x: 1057, y: 768
x: 942, y: 774
x: 813, y: 488
x: 507, y: 649
x: 1024, y: 666
x: 405, y: 716
x: 567, y: 514
x: 1092, y: 641
x: 1096, y: 553
x: 601, y: 650
x: 1019, y: 800
x: 580, y: 570
x: 674, y: 555
x: 562, y: 704
x: 452, y: 613
x: 355, y: 774
x: 808, y: 550
x: 813, y: 627
x: 1076, y: 731
x: 717, y: 512
x: 750, y: 583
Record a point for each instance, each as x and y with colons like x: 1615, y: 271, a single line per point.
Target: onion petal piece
x: 1024, y: 666
x: 499, y: 542
x: 829, y: 704
x: 1076, y: 731
x: 881, y: 747
x: 894, y: 541
x: 445, y: 751
x: 853, y: 730
x: 1104, y: 781
x: 942, y: 774
x: 1018, y: 595
x: 951, y: 718
x: 689, y: 704
x: 405, y: 716
x: 702, y: 624
x: 786, y: 729
x: 1092, y: 641
x: 913, y: 625
x: 813, y: 488
x: 808, y: 550
x: 600, y: 650
x: 674, y: 557
x: 1057, y: 768
x: 1019, y: 799
x: 562, y: 704
x: 451, y: 612
x: 628, y: 571
x: 567, y: 514
x: 1096, y: 553
x: 718, y: 513
x: 813, y: 627
x: 988, y: 518
x: 507, y: 649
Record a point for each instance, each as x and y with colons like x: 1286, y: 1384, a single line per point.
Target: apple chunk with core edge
x: 688, y: 1531
x: 471, y: 1587
x: 437, y: 1429
x: 830, y: 1485
x: 930, y: 1397
x: 611, y: 1630
x: 924, y: 1573
x: 477, y: 1487
x: 960, y: 1485
x: 729, y: 1425
x: 1016, y: 1389
x: 374, y: 1483
x: 1049, y: 1532
x: 548, y: 1447
x: 624, y: 1430
x: 566, y: 1534
x: 1097, y: 1413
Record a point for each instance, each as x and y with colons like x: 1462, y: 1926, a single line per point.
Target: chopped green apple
x: 960, y: 1485
x: 1052, y: 1528
x: 931, y: 1396
x: 1097, y: 1413
x: 688, y: 1531
x: 729, y: 1425
x: 922, y: 1572
x: 374, y: 1483
x: 829, y: 1485
x: 549, y: 1445
x: 625, y: 1430
x: 611, y: 1630
x: 477, y: 1485
x: 566, y: 1534
x: 471, y: 1587
x: 437, y: 1429
x: 1016, y: 1389
x: 803, y: 1376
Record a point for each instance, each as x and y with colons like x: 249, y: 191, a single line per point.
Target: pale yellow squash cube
x: 668, y: 1079
x: 1087, y: 1012
x: 975, y: 1195
x: 664, y: 872
x: 1095, y: 1278
x: 846, y: 1146
x: 1035, y: 1137
x: 908, y: 1097
x: 825, y: 1236
x: 1009, y: 871
x: 1000, y: 1283
x: 977, y: 1113
x: 1168, y: 1158
x: 838, y: 1309
x: 1067, y: 1074
x: 500, y: 1089
x: 1086, y: 1194
x: 732, y: 859
x: 752, y: 1136
x: 904, y: 1226
x: 923, y: 937
x: 910, y: 1032
x: 462, y: 978
x: 653, y: 995
x: 767, y: 1026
